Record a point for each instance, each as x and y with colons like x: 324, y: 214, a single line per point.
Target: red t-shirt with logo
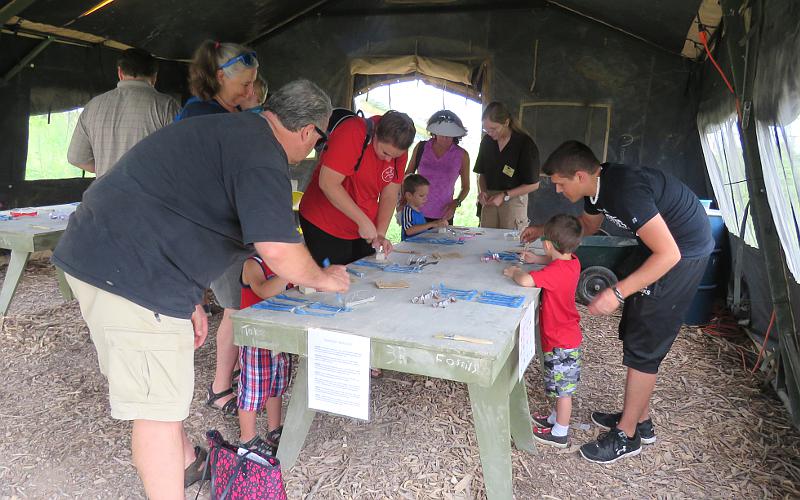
x: 364, y: 186
x: 560, y: 321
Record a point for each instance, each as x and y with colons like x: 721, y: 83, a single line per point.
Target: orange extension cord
x: 704, y: 40
x: 725, y: 325
x: 764, y: 344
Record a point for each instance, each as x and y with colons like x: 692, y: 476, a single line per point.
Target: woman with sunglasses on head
x: 441, y: 160
x: 507, y: 168
x: 221, y: 78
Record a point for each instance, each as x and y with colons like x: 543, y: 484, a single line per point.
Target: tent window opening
x: 722, y: 149
x: 779, y: 146
x: 48, y: 141
x: 419, y: 99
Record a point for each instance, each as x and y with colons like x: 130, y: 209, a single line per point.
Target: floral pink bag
x: 241, y: 477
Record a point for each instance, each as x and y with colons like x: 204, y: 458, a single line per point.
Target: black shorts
x: 652, y: 317
x: 322, y: 245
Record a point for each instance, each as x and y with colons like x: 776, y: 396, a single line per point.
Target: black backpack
x: 339, y: 115
x: 421, y: 146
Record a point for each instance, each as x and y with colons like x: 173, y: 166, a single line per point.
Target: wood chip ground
x: 721, y: 434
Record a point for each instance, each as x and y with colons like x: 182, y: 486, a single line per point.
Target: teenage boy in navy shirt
x: 675, y: 242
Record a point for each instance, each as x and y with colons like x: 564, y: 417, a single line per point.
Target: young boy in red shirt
x: 560, y: 329
x: 265, y: 374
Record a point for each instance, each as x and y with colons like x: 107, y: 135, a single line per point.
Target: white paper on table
x: 338, y: 373
x: 527, y: 338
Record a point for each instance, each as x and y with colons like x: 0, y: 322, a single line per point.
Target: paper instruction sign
x: 527, y: 338
x: 338, y: 373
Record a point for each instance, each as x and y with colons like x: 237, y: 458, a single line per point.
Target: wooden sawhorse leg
x: 500, y: 412
x: 298, y: 418
x: 16, y: 266
x: 521, y: 421
x: 63, y: 286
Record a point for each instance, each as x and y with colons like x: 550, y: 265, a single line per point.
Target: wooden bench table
x: 402, y: 339
x: 27, y: 234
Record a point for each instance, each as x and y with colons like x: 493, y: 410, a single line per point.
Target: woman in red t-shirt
x: 345, y: 211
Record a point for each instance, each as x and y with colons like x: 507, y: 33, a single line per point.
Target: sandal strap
x: 258, y: 445
x: 274, y: 437
x: 214, y: 396
x: 230, y: 407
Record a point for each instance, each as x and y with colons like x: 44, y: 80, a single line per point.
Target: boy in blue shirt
x: 415, y: 194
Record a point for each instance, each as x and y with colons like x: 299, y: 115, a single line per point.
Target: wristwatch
x: 506, y: 196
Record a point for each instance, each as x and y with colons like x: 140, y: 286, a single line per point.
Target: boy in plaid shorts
x: 265, y: 374
x: 560, y: 329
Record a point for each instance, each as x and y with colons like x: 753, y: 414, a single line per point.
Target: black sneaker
x: 545, y: 436
x: 540, y: 420
x: 612, y: 446
x: 608, y: 421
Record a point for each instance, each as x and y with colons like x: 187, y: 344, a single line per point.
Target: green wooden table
x: 402, y: 339
x: 27, y: 234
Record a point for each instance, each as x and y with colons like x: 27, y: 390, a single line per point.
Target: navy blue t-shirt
x: 178, y: 209
x: 631, y: 196
x: 195, y: 107
x: 410, y: 217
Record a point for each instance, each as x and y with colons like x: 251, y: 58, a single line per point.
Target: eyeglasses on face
x: 323, y: 137
x: 249, y: 59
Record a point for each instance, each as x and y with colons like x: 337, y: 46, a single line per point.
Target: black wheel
x: 594, y: 280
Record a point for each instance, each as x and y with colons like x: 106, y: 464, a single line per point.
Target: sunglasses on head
x: 249, y: 59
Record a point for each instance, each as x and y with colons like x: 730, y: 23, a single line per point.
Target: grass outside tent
x: 48, y: 141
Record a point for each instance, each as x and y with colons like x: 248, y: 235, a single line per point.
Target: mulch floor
x: 721, y: 432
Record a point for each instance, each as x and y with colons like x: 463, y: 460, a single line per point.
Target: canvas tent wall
x: 607, y: 72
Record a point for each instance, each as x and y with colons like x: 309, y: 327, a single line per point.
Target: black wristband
x: 618, y: 294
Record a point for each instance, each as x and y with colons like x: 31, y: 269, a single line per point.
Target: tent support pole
x: 743, y: 67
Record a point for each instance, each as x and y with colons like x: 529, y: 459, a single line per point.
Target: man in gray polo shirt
x: 112, y: 123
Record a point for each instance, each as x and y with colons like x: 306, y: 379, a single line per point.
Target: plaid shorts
x: 265, y: 374
x: 562, y: 371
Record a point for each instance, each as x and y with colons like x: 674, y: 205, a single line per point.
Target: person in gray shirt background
x: 113, y: 122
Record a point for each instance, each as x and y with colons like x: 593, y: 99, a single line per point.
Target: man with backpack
x: 351, y: 197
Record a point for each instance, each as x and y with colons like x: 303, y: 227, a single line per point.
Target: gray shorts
x: 228, y: 287
x: 562, y: 371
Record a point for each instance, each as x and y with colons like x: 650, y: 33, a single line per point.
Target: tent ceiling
x: 173, y: 28
x: 169, y: 28
x: 664, y: 22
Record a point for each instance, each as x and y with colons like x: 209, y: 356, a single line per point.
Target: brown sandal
x: 229, y: 408
x: 196, y: 471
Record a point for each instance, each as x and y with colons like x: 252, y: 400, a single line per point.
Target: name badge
x: 508, y: 171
